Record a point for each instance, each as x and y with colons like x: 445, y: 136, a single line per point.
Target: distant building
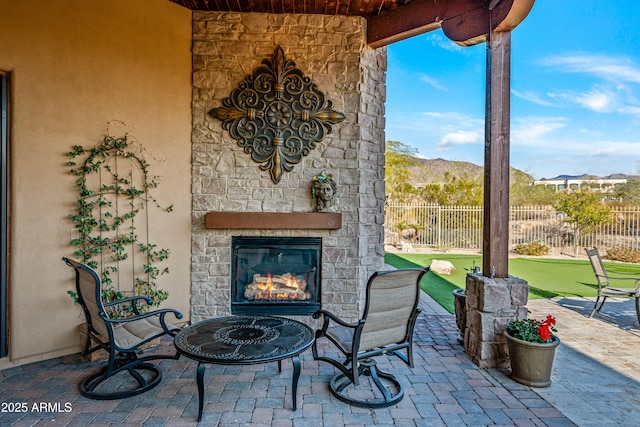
x: 564, y: 183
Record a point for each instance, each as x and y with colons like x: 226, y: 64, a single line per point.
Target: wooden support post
x: 495, y: 242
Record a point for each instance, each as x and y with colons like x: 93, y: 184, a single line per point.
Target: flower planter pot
x: 460, y: 309
x: 531, y: 363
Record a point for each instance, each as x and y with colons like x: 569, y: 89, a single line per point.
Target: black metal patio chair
x: 386, y: 327
x: 122, y: 338
x: 606, y: 281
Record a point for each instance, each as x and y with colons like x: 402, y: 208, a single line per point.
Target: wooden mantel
x: 274, y: 220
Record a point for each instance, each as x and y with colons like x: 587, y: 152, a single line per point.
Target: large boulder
x: 442, y: 267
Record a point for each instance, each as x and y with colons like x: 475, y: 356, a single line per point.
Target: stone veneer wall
x: 332, y: 51
x: 491, y: 304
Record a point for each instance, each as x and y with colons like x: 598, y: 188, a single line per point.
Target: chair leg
x: 373, y: 373
x: 346, y: 367
x: 341, y: 385
x: 601, y: 304
x: 93, y: 387
x: 406, y: 358
x: 638, y: 309
x: 595, y: 305
x: 410, y: 354
x: 89, y: 386
x: 356, y: 371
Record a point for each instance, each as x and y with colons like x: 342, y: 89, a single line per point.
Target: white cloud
x: 533, y: 130
x: 533, y: 97
x: 438, y: 40
x: 433, y: 82
x: 610, y: 68
x: 613, y: 89
x: 433, y: 131
x: 550, y: 146
x: 461, y: 137
x: 620, y: 148
x: 629, y: 109
x: 443, y: 115
x: 598, y: 100
x: 452, y: 120
x: 578, y: 156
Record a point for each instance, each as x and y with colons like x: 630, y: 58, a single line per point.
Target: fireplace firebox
x: 275, y: 275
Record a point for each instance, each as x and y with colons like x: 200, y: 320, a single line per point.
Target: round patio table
x: 244, y: 340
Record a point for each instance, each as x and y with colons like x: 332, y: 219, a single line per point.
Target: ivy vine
x: 114, y: 187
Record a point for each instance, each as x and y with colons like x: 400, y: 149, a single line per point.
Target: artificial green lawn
x: 547, y: 277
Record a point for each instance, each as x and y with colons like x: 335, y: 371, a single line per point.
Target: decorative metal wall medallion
x: 277, y: 115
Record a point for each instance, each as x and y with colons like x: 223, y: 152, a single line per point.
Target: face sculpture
x: 324, y: 193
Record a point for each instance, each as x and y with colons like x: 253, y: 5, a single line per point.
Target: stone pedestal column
x: 491, y: 304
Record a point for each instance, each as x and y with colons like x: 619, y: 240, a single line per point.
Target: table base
x: 295, y: 360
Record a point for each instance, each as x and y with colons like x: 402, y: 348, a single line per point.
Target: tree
x: 417, y: 228
x: 523, y: 192
x: 401, y: 226
x: 584, y: 211
x: 399, y: 158
x: 529, y: 195
x: 629, y: 192
x: 455, y: 190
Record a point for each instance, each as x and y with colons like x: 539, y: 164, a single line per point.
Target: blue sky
x: 575, y: 91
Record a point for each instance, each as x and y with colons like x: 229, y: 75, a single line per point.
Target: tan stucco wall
x: 74, y: 66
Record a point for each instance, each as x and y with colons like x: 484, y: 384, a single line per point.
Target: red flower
x: 532, y: 330
x: 544, y: 332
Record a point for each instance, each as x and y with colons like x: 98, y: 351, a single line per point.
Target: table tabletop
x: 244, y: 339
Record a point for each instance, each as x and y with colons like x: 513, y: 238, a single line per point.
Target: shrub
x: 533, y: 248
x: 624, y: 255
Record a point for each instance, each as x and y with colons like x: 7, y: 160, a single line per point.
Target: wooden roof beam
x: 466, y: 22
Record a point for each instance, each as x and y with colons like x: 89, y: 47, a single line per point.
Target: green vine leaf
x: 105, y: 225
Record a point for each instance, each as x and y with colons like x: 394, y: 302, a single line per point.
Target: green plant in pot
x: 532, y: 345
x: 460, y: 304
x: 111, y: 217
x: 460, y: 310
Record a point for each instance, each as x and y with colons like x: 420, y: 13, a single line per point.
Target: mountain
x: 587, y: 176
x: 428, y: 171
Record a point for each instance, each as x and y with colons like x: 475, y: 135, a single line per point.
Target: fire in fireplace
x: 275, y: 275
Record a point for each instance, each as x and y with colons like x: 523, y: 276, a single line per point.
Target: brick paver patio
x: 443, y: 389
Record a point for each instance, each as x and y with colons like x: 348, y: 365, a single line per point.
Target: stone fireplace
x: 233, y: 198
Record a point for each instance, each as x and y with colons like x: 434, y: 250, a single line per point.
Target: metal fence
x: 460, y: 227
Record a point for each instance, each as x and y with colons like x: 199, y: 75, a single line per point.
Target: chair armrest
x: 134, y: 302
x: 613, y: 276
x: 624, y: 273
x: 327, y: 318
x: 635, y: 279
x: 162, y: 313
x: 330, y: 316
